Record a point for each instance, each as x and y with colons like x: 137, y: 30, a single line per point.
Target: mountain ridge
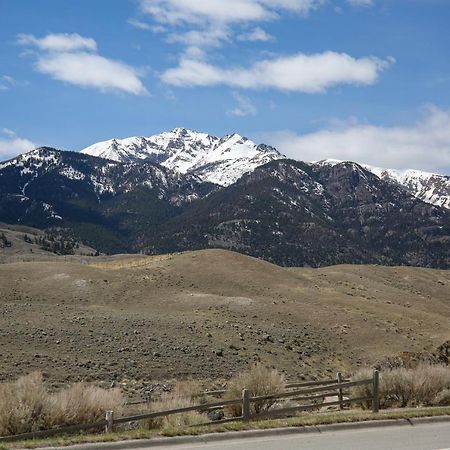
x: 218, y: 160
x: 224, y: 160
x: 289, y: 212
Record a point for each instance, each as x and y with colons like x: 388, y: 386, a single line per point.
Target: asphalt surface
x: 404, y: 437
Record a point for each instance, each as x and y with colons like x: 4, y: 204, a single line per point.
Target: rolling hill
x: 206, y: 314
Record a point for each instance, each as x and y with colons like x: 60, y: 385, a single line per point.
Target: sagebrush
x: 27, y: 405
x: 425, y: 385
x: 260, y: 381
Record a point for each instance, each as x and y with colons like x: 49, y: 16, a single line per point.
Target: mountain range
x: 185, y: 190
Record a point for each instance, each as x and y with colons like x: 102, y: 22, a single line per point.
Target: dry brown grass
x: 24, y: 405
x: 260, y: 381
x: 443, y: 398
x: 27, y: 405
x: 187, y: 389
x: 423, y: 386
x: 182, y: 395
x: 83, y: 403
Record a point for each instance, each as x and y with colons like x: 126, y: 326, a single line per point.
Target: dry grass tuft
x: 259, y: 380
x: 26, y: 405
x: 443, y: 398
x: 402, y: 387
x: 182, y: 395
x: 83, y: 403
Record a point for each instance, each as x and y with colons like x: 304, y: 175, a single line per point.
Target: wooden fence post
x: 109, y: 421
x: 245, y: 405
x: 376, y: 392
x: 340, y: 393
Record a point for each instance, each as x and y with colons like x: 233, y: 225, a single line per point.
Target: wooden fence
x: 305, y: 391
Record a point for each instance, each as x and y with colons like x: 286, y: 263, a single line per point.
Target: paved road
x: 405, y: 437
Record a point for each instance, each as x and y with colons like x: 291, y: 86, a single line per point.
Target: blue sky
x: 367, y: 80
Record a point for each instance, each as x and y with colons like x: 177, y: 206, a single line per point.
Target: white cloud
x: 91, y: 70
x: 12, y: 145
x: 199, y: 11
x: 300, y: 72
x: 424, y: 145
x: 360, y: 2
x: 255, y: 35
x: 188, y: 20
x: 73, y: 59
x: 220, y: 11
x: 59, y: 42
x: 7, y: 82
x: 244, y: 106
x: 210, y: 37
x: 139, y: 24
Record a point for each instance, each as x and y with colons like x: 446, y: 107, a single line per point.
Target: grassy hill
x: 31, y: 244
x: 207, y: 314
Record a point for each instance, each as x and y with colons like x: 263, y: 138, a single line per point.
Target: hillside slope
x: 294, y: 214
x: 210, y: 313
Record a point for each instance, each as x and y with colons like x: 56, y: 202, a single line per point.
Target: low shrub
x: 402, y: 387
x: 83, y: 403
x: 443, y: 398
x: 26, y: 405
x: 260, y: 381
x: 182, y: 395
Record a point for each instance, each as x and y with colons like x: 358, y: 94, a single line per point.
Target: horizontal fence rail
x: 55, y: 431
x: 304, y: 391
x: 220, y: 392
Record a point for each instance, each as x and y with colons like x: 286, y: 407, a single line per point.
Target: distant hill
x: 19, y: 243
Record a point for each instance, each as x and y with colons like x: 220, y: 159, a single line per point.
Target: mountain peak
x: 217, y: 160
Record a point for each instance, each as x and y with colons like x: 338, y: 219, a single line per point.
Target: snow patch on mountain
x: 429, y: 187
x: 217, y: 160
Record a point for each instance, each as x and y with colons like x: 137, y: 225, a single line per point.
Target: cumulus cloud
x: 219, y: 11
x: 11, y: 145
x: 423, y: 145
x: 91, y: 70
x: 313, y: 73
x: 197, y: 18
x: 255, y: 35
x: 244, y: 106
x: 211, y: 37
x: 74, y: 59
x: 59, y: 42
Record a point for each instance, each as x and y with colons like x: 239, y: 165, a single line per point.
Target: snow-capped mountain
x: 217, y: 160
x: 46, y: 187
x: 427, y: 186
x: 285, y: 211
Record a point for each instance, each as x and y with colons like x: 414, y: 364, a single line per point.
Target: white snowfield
x: 218, y: 160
